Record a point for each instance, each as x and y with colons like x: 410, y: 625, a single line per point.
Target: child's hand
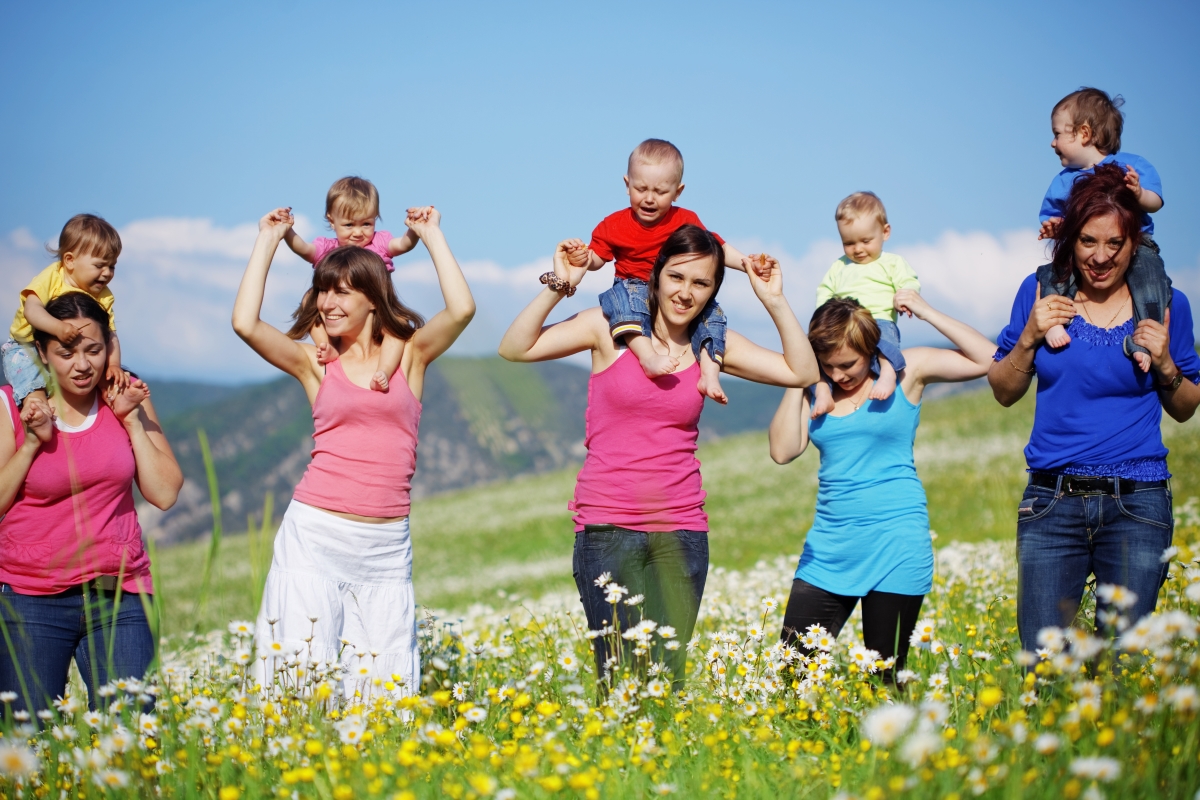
x: 422, y: 219
x: 909, y: 301
x: 126, y: 400
x: 67, y: 333
x: 38, y: 419
x: 277, y: 221
x: 564, y: 268
x: 1134, y: 182
x: 578, y: 254
x: 1049, y: 228
x: 766, y: 278
x: 117, y: 379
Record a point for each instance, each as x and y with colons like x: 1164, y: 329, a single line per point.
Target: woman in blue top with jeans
x: 1098, y: 500
x: 870, y: 538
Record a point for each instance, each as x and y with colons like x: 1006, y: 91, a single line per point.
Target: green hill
x: 516, y: 536
x: 483, y: 420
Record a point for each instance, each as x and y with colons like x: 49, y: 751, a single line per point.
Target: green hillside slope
x: 516, y: 536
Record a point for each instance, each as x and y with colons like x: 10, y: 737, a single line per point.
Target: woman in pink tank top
x: 342, y: 554
x: 640, y: 526
x: 73, y: 570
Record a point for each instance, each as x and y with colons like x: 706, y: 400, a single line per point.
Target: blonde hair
x: 843, y: 321
x: 353, y: 196
x: 861, y: 204
x: 656, y: 151
x: 1101, y: 113
x: 88, y: 235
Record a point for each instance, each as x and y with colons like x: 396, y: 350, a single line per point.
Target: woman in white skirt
x: 342, y: 554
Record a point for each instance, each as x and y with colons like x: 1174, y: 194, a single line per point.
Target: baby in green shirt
x: 872, y: 277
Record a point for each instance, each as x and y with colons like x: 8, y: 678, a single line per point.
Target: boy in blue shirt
x: 1087, y: 128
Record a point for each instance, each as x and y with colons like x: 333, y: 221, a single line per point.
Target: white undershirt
x: 87, y: 423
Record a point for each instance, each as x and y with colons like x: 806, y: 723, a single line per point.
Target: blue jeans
x: 1148, y: 285
x: 43, y: 633
x: 20, y: 369
x: 668, y: 568
x: 627, y: 307
x: 1063, y: 538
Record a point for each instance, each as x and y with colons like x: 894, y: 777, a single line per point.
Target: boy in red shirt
x: 633, y: 236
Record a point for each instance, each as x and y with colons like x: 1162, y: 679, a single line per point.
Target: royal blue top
x: 871, y: 529
x: 1097, y: 413
x: 1054, y: 204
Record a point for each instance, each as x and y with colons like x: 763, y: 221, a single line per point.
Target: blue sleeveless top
x: 871, y: 530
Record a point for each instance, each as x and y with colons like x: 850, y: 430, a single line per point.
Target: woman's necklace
x: 861, y: 394
x: 1108, y: 324
x: 667, y: 344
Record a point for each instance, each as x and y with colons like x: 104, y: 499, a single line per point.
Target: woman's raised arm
x: 797, y: 367
x: 266, y: 340
x: 528, y: 338
x: 927, y: 365
x: 436, y: 336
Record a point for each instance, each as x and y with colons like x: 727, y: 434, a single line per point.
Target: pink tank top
x: 74, y: 517
x: 364, y: 447
x: 641, y: 470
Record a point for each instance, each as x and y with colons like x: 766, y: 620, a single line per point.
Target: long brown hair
x: 1101, y: 193
x: 363, y: 271
x: 687, y: 240
x: 843, y: 321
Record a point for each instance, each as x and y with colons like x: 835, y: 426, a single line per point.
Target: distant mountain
x: 482, y: 420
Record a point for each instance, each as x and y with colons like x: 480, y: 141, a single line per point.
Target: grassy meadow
x: 516, y: 537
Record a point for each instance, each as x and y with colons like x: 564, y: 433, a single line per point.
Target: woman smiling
x: 1098, y: 500
x: 639, y: 505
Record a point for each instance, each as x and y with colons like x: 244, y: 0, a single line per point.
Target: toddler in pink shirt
x: 351, y: 208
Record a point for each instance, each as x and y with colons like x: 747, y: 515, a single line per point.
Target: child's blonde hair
x: 354, y: 197
x: 1101, y: 113
x: 859, y: 205
x: 88, y: 235
x: 656, y: 151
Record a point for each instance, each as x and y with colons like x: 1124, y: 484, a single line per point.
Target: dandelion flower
x: 885, y: 725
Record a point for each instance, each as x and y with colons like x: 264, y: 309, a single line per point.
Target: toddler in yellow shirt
x: 872, y: 277
x: 87, y: 253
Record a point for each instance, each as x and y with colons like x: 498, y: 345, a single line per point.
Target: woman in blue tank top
x: 870, y: 537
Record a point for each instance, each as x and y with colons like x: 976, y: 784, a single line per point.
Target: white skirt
x: 355, y: 580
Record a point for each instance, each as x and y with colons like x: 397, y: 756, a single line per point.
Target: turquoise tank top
x: 871, y: 530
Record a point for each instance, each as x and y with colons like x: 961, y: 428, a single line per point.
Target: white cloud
x: 177, y: 278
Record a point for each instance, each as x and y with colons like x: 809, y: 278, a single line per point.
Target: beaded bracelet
x: 1030, y: 371
x: 556, y: 283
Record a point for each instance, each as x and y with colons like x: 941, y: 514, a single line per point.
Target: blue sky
x: 183, y: 123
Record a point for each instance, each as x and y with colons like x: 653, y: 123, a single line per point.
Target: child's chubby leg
x: 1150, y: 288
x: 326, y: 352
x: 708, y: 343
x: 28, y: 380
x: 1057, y: 336
x: 822, y: 399
x: 628, y: 313
x: 390, y: 353
x: 888, y: 360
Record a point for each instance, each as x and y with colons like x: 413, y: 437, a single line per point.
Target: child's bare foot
x: 123, y: 402
x: 653, y: 364
x: 326, y: 353
x: 1058, y: 336
x: 822, y: 400
x: 36, y: 396
x: 710, y: 379
x: 379, y: 382
x: 1143, y: 361
x: 885, y: 384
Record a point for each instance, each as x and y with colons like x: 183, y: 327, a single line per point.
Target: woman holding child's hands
x: 640, y: 525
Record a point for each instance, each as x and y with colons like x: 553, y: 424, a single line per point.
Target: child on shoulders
x: 633, y: 236
x: 1087, y: 127
x: 352, y: 208
x: 87, y: 252
x: 872, y: 277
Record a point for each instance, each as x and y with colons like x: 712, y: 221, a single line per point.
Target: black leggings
x: 888, y: 618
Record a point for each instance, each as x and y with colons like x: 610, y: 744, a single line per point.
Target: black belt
x: 1083, y: 484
